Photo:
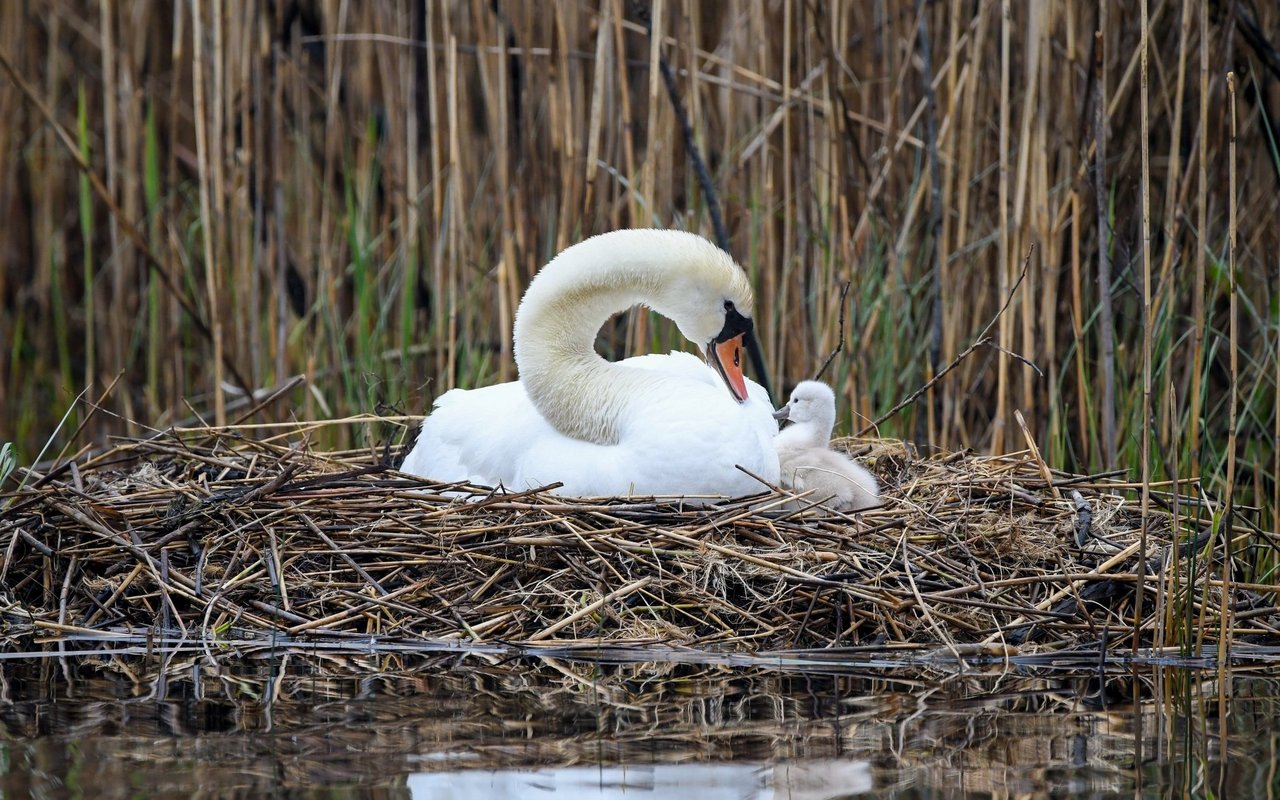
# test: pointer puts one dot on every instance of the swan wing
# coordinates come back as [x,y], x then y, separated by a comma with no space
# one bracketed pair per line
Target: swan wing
[688,439]
[494,436]
[472,434]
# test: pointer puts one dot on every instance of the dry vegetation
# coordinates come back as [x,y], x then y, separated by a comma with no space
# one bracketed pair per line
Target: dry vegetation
[215,538]
[204,200]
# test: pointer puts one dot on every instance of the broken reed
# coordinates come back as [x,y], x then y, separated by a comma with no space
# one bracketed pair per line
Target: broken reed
[216,536]
[362,198]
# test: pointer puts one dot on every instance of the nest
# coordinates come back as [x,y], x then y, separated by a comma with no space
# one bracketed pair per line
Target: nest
[214,536]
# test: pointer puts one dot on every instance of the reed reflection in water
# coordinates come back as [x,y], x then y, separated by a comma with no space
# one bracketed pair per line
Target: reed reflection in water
[468,725]
[749,780]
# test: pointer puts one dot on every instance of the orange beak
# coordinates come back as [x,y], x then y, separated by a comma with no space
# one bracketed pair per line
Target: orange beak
[726,359]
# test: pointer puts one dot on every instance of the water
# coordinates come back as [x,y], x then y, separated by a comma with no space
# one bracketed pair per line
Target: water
[487,726]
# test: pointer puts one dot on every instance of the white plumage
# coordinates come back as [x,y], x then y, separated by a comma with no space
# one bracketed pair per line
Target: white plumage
[806,460]
[649,425]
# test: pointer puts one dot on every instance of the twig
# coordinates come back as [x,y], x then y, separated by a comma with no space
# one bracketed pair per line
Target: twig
[844,292]
[982,339]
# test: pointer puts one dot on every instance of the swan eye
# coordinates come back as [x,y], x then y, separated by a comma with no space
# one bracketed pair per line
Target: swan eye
[734,323]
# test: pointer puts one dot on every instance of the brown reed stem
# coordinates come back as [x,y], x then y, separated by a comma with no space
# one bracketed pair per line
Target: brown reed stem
[1228,513]
[208,229]
[1147,320]
[1201,246]
[1003,267]
[1105,323]
[935,209]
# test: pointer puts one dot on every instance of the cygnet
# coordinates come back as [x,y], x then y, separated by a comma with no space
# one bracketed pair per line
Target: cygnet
[806,460]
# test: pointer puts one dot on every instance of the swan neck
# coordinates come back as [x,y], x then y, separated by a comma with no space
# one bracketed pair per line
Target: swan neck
[580,394]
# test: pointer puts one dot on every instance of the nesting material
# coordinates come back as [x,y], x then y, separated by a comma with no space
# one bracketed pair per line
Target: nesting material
[216,536]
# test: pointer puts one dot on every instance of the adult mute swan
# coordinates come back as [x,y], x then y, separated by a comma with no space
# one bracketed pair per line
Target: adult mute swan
[806,460]
[648,425]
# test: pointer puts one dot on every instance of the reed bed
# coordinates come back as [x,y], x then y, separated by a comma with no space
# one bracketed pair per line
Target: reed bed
[204,200]
[224,538]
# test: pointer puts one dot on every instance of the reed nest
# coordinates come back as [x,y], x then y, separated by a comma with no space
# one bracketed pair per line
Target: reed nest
[216,535]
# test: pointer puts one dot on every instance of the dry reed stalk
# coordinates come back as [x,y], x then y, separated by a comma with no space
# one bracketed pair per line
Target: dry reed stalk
[1107,346]
[1147,321]
[933,259]
[208,228]
[414,194]
[1002,266]
[967,155]
[957,82]
[648,176]
[1170,569]
[508,269]
[1233,343]
[1040,334]
[1026,148]
[567,126]
[453,251]
[1201,241]
[788,260]
[111,156]
[1173,181]
[595,117]
[435,125]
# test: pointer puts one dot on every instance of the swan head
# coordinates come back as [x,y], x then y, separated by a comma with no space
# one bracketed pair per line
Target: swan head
[680,275]
[723,351]
[710,302]
[811,402]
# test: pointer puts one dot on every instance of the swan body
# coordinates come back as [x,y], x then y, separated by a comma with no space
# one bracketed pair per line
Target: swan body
[647,425]
[806,460]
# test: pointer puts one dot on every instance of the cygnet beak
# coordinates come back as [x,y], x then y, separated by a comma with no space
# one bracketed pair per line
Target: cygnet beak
[726,359]
[783,413]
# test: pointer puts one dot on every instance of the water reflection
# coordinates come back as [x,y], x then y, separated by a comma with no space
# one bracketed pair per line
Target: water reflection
[800,780]
[455,726]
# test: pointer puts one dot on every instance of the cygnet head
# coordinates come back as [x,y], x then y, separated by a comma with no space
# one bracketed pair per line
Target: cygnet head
[813,405]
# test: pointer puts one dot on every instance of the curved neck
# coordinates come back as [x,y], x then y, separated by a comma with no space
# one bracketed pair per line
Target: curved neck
[573,388]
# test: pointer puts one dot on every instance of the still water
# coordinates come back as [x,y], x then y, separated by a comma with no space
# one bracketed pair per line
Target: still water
[485,726]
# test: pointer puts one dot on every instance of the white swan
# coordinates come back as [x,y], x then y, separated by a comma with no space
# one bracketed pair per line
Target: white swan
[806,460]
[649,425]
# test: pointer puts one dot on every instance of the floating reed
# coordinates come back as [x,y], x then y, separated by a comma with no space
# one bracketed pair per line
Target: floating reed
[216,536]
